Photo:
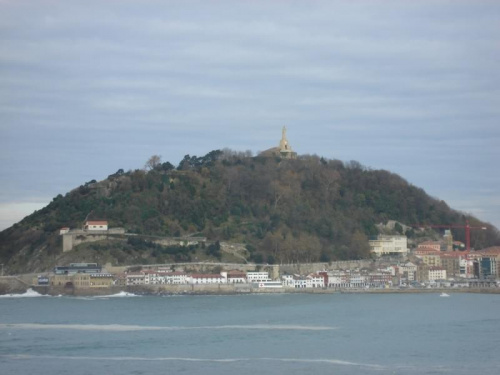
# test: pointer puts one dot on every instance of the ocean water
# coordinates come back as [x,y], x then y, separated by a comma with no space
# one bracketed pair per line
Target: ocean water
[251,334]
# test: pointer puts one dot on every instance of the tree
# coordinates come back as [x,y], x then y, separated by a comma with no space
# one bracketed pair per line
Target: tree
[398,228]
[153,162]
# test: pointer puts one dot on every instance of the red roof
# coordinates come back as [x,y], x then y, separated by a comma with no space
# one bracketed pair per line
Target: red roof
[490,250]
[427,251]
[96,222]
[454,254]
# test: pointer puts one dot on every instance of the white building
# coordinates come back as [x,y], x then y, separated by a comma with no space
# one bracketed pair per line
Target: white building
[299,281]
[409,270]
[176,278]
[64,230]
[466,268]
[199,278]
[235,277]
[437,273]
[287,280]
[389,245]
[357,281]
[338,279]
[100,225]
[257,277]
[315,280]
[135,279]
[153,278]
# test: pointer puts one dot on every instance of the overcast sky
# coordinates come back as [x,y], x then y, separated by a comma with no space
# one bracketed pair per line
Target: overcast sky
[88,87]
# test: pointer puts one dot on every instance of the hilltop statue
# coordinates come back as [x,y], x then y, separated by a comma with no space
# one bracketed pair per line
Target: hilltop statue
[284,150]
[284,142]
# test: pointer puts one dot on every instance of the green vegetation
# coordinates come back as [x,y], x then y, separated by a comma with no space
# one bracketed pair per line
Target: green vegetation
[301,210]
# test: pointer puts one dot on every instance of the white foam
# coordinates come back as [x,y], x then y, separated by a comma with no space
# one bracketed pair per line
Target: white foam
[187,359]
[118,295]
[29,293]
[127,328]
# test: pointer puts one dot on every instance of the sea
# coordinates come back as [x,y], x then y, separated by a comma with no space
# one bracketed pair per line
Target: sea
[250,334]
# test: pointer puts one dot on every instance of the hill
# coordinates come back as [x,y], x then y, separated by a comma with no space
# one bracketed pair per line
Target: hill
[297,210]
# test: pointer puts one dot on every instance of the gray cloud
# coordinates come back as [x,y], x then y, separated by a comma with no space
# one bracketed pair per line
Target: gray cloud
[90,87]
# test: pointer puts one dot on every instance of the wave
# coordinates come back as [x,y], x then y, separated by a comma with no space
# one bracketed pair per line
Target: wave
[184,359]
[128,328]
[29,293]
[118,295]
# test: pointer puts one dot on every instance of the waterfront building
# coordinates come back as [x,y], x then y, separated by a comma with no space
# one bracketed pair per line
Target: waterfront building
[235,277]
[101,280]
[356,280]
[422,272]
[486,267]
[257,277]
[408,271]
[451,262]
[176,278]
[299,281]
[76,280]
[199,278]
[378,279]
[136,279]
[437,273]
[315,280]
[287,280]
[388,245]
[153,278]
[335,279]
[466,268]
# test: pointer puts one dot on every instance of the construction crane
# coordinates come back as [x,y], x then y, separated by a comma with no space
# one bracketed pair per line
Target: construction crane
[467,228]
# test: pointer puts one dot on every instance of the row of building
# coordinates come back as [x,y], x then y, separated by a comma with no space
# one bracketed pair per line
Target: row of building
[398,244]
[426,264]
[166,277]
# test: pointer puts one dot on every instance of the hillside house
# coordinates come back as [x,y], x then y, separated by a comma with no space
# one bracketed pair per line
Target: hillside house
[98,225]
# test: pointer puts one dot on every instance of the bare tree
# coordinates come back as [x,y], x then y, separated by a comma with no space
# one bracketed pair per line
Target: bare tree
[153,162]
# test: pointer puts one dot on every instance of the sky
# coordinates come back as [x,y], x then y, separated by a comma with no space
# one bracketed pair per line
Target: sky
[89,87]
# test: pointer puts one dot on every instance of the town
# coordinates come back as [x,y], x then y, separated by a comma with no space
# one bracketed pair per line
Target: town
[431,264]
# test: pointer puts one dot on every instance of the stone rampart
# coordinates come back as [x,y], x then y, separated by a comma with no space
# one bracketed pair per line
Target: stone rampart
[305,268]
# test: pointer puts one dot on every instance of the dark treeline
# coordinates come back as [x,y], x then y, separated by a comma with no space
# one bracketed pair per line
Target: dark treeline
[301,210]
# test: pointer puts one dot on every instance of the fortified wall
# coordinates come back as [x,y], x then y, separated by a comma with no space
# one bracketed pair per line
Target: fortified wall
[78,236]
[305,268]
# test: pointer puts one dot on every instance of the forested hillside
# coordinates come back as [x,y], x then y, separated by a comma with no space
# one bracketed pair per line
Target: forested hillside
[307,209]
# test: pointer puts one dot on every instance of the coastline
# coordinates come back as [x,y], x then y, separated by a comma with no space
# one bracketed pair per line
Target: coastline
[229,290]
